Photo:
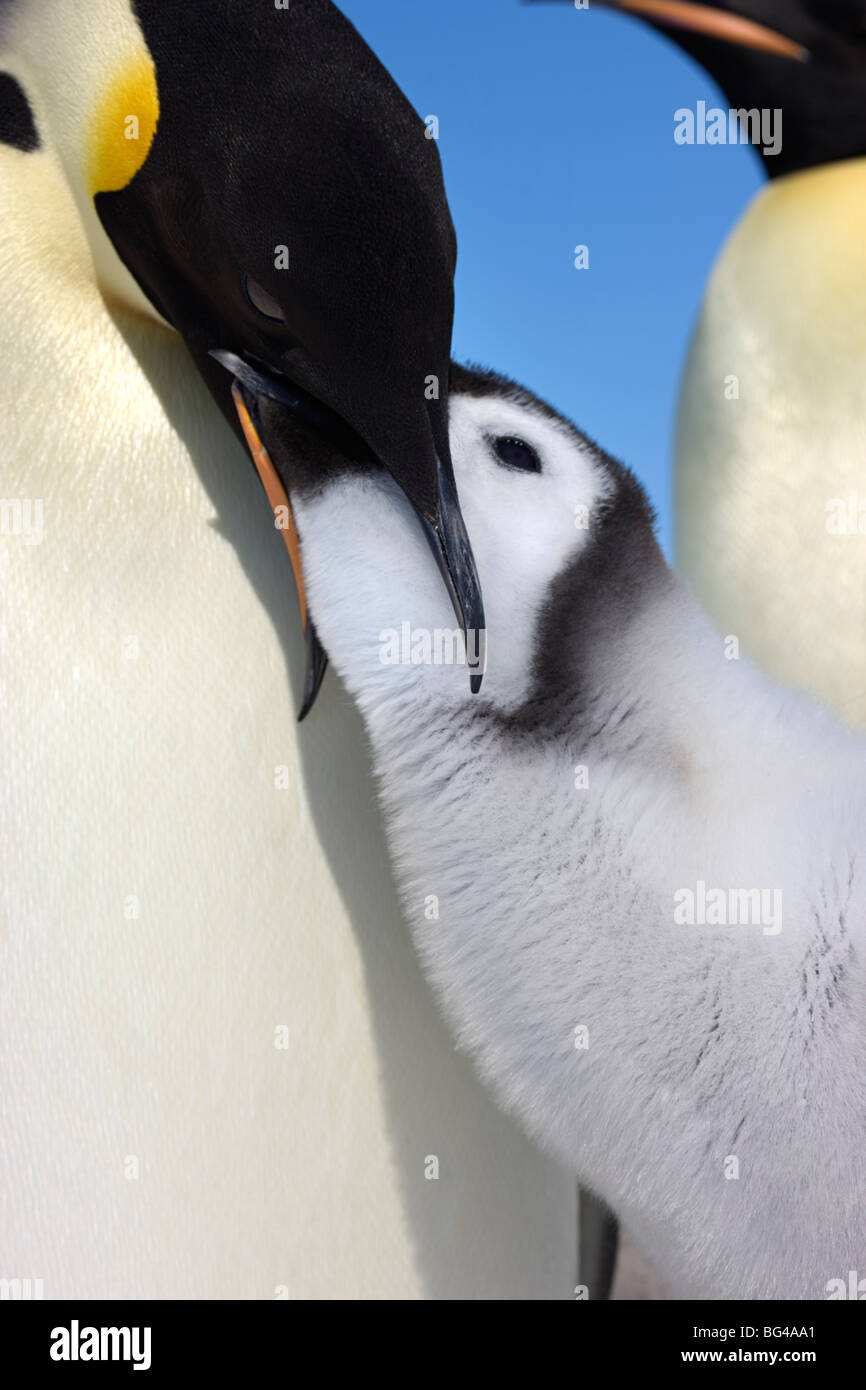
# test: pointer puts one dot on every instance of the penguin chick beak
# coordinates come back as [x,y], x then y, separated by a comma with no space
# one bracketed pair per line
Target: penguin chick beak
[712,23]
[444,529]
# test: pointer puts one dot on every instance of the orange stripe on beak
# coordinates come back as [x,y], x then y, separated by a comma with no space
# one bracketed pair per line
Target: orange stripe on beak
[277,495]
[716,24]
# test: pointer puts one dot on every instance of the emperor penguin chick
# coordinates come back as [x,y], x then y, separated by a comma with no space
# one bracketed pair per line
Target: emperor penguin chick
[633,867]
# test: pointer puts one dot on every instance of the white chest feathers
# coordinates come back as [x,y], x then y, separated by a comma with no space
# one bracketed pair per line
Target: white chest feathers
[770,507]
[206,986]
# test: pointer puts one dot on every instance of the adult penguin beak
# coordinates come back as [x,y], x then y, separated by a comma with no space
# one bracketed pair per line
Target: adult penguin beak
[443,525]
[449,540]
[713,22]
[317,661]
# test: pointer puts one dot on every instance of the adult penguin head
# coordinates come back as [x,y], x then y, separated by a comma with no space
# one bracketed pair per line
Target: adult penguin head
[804,57]
[279,203]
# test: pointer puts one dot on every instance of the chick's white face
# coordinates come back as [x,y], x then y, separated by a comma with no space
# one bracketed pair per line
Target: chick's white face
[528,488]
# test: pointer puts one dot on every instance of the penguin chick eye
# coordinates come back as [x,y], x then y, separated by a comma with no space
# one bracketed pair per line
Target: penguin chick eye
[262,302]
[516,453]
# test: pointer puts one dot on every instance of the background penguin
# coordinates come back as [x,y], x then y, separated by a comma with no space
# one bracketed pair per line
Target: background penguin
[772,415]
[224,1077]
[692,1051]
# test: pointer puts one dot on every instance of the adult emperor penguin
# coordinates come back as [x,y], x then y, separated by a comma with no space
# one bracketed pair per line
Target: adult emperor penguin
[222,1074]
[770,505]
[652,927]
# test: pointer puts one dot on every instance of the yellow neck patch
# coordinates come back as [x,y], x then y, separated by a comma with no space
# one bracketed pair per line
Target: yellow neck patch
[123,126]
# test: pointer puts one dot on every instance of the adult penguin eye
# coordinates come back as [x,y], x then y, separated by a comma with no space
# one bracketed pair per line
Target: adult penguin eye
[262,302]
[516,453]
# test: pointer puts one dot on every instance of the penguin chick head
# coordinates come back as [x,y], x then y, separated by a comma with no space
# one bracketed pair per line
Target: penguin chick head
[562,534]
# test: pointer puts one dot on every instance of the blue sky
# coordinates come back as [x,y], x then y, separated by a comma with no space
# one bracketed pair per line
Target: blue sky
[556,128]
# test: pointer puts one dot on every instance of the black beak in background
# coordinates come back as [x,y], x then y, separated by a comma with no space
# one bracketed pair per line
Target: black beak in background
[445,531]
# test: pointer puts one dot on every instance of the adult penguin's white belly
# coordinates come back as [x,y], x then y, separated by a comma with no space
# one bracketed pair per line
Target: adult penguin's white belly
[222,1073]
[767,478]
